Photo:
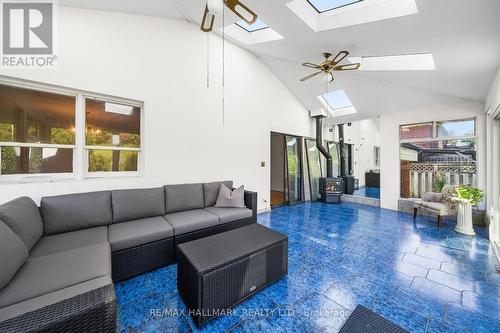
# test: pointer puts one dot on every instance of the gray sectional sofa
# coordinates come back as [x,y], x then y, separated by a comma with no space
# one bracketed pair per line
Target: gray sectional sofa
[59,261]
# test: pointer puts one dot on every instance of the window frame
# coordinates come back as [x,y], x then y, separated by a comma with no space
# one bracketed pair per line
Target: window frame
[105,174]
[334,8]
[434,137]
[80,150]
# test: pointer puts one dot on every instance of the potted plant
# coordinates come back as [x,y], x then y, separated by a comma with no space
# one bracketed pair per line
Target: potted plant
[465,197]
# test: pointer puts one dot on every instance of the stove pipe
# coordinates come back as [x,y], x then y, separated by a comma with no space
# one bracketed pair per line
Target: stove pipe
[341,150]
[323,150]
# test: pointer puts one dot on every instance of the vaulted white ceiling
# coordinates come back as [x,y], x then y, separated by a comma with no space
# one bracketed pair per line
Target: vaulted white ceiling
[463,36]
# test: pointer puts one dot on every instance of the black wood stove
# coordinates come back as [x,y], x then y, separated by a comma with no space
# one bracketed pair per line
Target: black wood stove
[331,189]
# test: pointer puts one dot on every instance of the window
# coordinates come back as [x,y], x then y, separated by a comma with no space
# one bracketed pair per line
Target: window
[314,168]
[322,6]
[112,136]
[51,133]
[258,25]
[37,132]
[337,103]
[436,154]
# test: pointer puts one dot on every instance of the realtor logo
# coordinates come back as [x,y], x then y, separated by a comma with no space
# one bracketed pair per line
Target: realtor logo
[27,34]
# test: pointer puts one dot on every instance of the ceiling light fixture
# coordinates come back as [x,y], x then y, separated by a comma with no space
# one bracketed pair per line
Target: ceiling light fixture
[328,66]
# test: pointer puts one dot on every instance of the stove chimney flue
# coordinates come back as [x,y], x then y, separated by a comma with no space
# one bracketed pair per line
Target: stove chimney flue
[321,148]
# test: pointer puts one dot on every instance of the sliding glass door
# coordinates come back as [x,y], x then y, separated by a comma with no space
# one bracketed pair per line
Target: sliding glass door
[286,169]
[294,170]
[314,166]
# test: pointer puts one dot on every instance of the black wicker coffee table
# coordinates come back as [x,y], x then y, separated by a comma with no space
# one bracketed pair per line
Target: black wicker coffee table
[217,272]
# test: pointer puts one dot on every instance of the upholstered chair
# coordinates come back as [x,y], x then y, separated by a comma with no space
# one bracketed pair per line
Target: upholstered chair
[436,204]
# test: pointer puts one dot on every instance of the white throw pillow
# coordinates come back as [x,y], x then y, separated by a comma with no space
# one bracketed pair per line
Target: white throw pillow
[231,199]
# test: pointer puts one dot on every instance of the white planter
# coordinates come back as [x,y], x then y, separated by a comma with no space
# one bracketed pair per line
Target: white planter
[464,218]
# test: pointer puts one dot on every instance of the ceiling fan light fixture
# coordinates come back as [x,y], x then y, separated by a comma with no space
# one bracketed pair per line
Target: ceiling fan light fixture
[327,77]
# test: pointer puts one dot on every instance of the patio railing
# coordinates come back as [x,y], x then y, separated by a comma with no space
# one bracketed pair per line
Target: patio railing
[424,175]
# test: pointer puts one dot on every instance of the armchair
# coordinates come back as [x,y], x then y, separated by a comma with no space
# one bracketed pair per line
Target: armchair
[437,204]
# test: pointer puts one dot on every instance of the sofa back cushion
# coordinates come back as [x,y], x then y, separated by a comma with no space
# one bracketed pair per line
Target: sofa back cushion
[71,212]
[137,204]
[211,191]
[23,217]
[183,197]
[13,254]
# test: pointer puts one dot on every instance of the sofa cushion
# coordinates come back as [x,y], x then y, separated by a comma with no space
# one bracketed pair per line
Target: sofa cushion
[46,274]
[231,199]
[183,197]
[69,240]
[229,214]
[39,302]
[211,191]
[191,220]
[436,207]
[71,212]
[138,232]
[13,254]
[23,217]
[137,203]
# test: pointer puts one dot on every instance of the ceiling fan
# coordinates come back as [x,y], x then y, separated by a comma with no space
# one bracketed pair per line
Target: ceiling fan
[327,67]
[215,7]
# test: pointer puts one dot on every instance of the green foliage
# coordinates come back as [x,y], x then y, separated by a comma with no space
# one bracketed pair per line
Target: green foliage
[9,160]
[439,183]
[6,132]
[62,136]
[472,194]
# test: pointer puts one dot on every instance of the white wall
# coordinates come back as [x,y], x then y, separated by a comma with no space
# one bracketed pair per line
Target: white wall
[493,98]
[364,135]
[162,62]
[493,161]
[436,108]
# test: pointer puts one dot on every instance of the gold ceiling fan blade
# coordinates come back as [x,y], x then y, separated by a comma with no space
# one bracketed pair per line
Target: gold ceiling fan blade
[348,67]
[232,4]
[310,76]
[311,65]
[339,57]
[207,23]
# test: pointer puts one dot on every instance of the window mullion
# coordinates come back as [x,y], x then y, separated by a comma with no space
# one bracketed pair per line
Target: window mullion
[80,162]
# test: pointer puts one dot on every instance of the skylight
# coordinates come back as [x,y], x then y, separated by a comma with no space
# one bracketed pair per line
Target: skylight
[337,103]
[404,62]
[258,25]
[325,5]
[337,99]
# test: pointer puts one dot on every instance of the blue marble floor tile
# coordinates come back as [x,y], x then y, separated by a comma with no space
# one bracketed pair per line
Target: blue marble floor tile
[341,256]
[488,305]
[400,315]
[475,321]
[433,254]
[436,290]
[421,261]
[451,280]
[441,326]
[465,272]
[409,269]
